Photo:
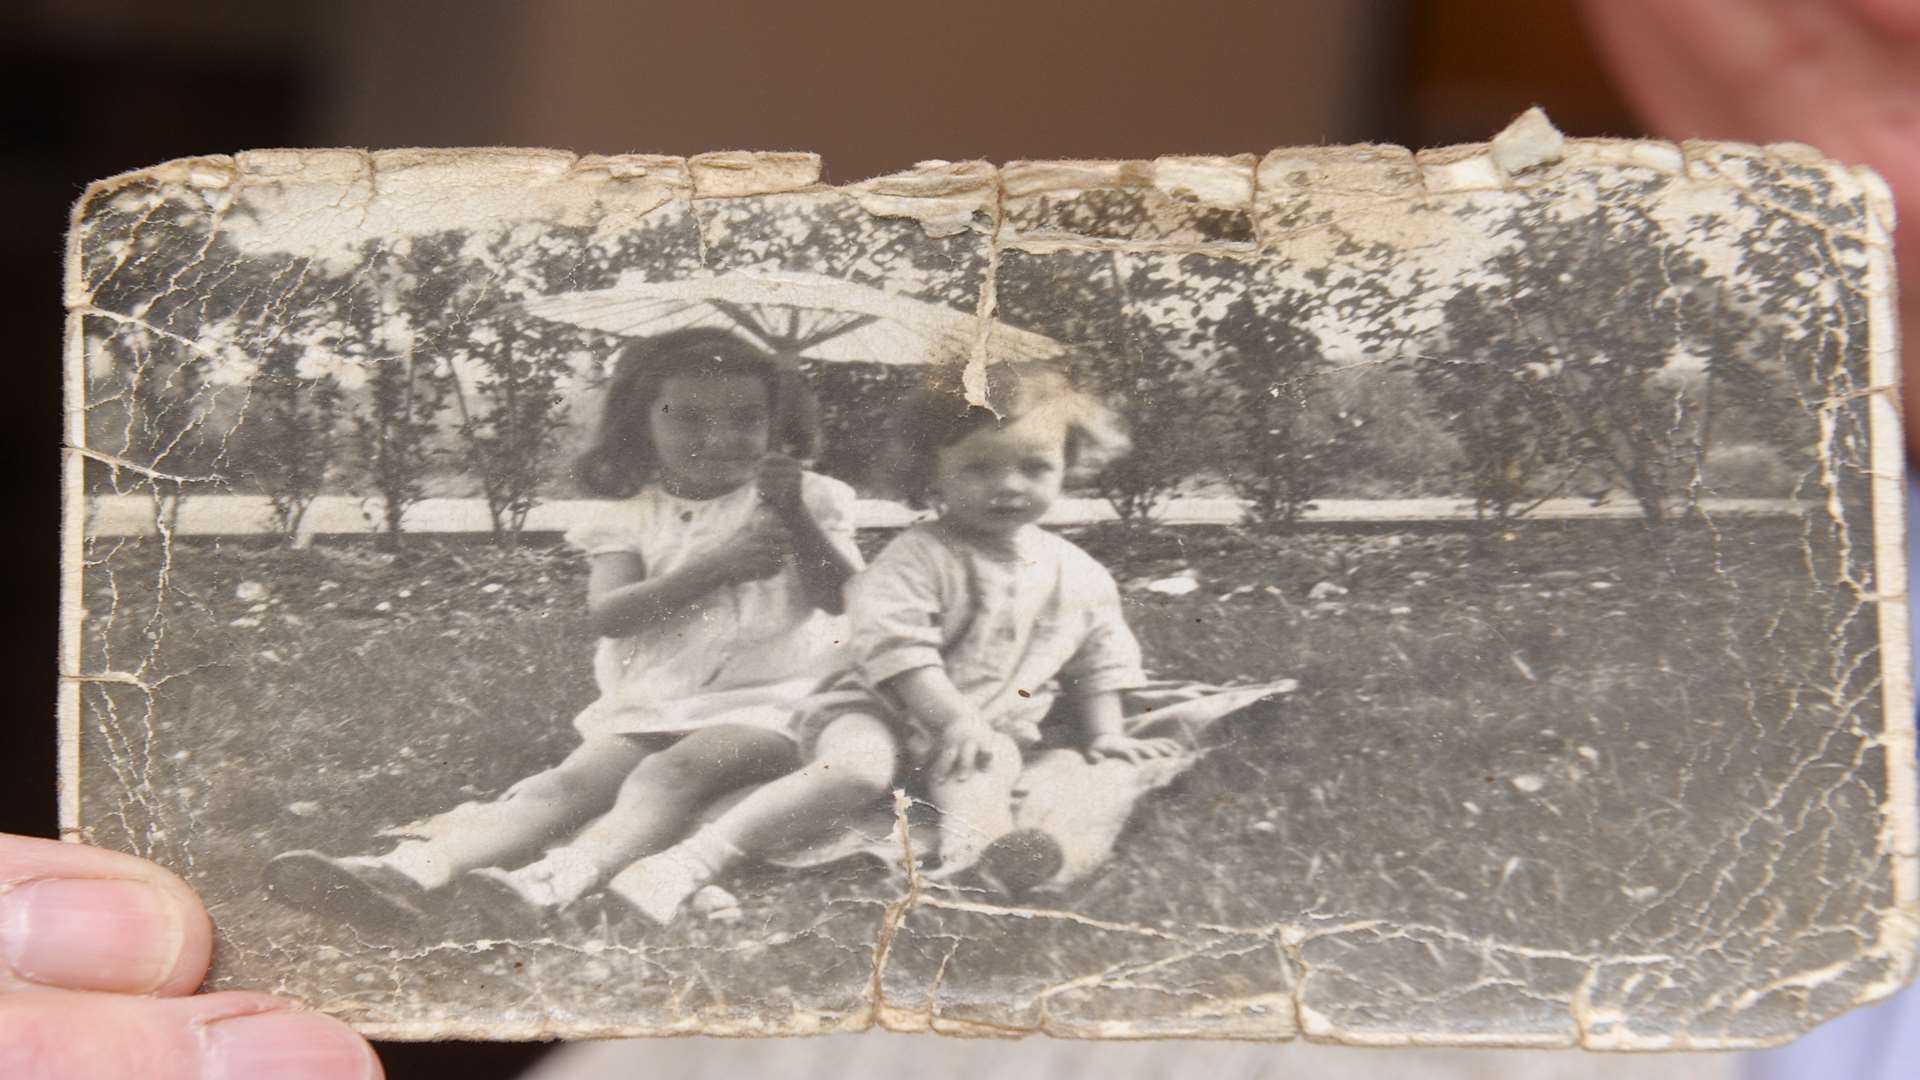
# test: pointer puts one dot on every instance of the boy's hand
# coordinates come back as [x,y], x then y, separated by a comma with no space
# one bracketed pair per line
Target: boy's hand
[779,483]
[1128,748]
[966,747]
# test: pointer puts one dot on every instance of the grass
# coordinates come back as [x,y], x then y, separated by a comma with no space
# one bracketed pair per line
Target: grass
[1554,741]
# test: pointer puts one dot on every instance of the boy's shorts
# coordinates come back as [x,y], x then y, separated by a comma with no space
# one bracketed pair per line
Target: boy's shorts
[917,743]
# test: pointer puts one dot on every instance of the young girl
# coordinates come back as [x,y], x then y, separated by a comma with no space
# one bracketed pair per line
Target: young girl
[716,573]
[964,631]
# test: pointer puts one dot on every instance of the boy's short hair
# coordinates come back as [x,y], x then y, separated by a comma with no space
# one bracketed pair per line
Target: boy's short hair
[940,414]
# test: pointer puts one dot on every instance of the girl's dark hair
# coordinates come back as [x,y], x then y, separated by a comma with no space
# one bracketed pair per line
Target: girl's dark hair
[940,415]
[620,459]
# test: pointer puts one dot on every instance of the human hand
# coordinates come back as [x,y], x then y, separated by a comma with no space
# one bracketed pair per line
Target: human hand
[101,952]
[759,550]
[778,479]
[1128,748]
[1842,75]
[966,747]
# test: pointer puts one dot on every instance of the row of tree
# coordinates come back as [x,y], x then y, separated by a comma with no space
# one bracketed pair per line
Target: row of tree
[289,375]
[376,364]
[1596,351]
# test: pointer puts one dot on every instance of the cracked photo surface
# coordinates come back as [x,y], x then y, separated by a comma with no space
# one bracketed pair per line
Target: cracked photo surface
[1452,598]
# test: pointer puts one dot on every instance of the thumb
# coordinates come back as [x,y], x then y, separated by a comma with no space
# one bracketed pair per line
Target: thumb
[83,930]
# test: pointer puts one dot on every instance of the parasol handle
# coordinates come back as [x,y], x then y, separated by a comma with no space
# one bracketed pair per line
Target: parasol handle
[788,381]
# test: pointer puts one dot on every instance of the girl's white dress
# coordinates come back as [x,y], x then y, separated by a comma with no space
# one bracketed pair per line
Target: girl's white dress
[745,654]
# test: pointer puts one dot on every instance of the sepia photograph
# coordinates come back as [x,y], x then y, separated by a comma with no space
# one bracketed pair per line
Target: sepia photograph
[1340,594]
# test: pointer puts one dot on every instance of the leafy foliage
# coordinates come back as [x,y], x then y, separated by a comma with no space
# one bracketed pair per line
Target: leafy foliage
[1122,213]
[836,237]
[293,443]
[505,378]
[1802,326]
[377,330]
[1287,440]
[1097,303]
[853,398]
[1271,365]
[1561,360]
[510,422]
[155,396]
[158,268]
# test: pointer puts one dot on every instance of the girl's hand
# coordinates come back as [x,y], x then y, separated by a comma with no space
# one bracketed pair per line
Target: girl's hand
[624,599]
[779,483]
[1128,748]
[966,747]
[760,550]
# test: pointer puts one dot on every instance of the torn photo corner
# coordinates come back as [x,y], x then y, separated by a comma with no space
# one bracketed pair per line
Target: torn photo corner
[1343,594]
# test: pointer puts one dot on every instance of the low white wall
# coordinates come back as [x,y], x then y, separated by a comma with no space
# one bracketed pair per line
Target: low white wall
[340,515]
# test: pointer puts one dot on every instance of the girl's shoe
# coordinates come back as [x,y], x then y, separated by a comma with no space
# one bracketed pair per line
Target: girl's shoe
[659,885]
[512,904]
[358,889]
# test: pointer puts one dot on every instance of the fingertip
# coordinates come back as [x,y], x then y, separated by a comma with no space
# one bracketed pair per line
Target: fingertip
[287,1043]
[196,948]
[195,942]
[224,1036]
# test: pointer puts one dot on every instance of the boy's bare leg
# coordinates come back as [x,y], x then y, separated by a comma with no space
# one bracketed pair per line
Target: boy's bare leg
[657,803]
[853,763]
[1083,805]
[975,810]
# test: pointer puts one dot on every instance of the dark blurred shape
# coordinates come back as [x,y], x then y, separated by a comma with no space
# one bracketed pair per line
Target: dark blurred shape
[1476,64]
[871,86]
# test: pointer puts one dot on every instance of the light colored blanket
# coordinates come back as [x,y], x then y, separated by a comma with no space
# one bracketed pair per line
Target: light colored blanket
[1083,805]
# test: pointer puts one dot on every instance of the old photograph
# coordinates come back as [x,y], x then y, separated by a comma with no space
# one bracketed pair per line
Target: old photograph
[1342,594]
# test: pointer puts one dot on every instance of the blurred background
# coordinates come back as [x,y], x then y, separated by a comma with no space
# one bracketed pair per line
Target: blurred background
[96,87]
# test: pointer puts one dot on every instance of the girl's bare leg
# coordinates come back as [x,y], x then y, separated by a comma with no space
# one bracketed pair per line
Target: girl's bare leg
[528,817]
[391,889]
[854,762]
[656,804]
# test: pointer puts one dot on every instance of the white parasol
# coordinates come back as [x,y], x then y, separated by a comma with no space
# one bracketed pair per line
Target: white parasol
[800,316]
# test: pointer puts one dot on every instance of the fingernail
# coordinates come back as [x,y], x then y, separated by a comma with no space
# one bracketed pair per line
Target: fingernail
[94,934]
[286,1046]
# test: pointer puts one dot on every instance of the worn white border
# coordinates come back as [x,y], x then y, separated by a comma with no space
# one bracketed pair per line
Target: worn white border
[1900,835]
